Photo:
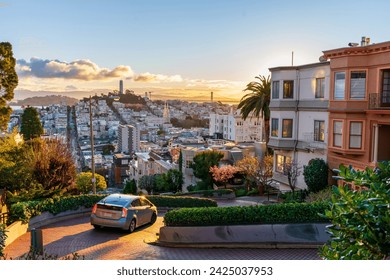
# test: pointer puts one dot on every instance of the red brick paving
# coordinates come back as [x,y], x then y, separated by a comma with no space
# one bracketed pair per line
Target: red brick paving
[77,235]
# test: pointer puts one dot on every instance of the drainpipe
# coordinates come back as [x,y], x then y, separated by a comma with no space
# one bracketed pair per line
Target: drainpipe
[297,111]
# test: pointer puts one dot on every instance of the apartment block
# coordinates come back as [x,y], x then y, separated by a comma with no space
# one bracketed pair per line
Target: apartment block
[234,128]
[298,117]
[359,107]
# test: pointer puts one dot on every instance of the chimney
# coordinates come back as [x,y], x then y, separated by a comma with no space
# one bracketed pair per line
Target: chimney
[365,41]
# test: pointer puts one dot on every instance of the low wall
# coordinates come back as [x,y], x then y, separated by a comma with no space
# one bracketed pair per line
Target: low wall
[269,235]
[17,229]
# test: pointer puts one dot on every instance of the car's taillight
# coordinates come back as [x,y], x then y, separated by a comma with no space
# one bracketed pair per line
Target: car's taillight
[124,212]
[94,209]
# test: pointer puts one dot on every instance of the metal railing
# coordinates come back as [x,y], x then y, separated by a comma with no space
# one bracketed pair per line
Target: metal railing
[379,100]
[3,218]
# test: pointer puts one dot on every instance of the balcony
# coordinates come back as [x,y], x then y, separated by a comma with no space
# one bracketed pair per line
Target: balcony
[379,101]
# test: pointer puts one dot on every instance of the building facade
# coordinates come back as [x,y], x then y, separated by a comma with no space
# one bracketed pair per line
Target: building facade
[128,139]
[234,128]
[359,109]
[298,118]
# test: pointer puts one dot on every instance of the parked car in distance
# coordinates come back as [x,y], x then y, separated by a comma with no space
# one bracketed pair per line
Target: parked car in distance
[123,211]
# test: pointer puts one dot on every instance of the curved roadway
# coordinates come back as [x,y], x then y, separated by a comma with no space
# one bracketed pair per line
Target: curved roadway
[78,236]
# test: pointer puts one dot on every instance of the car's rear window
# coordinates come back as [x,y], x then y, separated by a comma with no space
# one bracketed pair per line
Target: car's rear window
[109,207]
[115,201]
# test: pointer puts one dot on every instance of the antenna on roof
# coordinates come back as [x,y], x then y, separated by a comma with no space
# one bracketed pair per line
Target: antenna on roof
[292,58]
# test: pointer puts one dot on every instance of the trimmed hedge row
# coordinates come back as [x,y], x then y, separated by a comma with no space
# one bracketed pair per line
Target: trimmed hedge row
[248,215]
[24,211]
[180,201]
[209,193]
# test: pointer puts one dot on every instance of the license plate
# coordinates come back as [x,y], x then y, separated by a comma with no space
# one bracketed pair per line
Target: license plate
[107,215]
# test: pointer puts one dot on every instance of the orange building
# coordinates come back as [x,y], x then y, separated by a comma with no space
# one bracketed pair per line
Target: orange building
[359,104]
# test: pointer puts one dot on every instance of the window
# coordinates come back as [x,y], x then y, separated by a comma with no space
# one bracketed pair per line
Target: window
[358,85]
[319,131]
[275,90]
[288,89]
[339,85]
[287,126]
[385,100]
[355,135]
[337,133]
[281,162]
[188,163]
[275,127]
[320,87]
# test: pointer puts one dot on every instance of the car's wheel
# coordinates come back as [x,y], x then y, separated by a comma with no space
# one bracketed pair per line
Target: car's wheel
[97,227]
[132,225]
[153,219]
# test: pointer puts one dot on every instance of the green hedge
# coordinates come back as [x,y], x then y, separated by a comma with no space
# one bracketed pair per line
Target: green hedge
[24,211]
[181,201]
[209,193]
[248,215]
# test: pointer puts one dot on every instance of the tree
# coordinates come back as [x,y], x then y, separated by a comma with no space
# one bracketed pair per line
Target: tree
[316,175]
[31,126]
[36,169]
[148,183]
[223,174]
[53,166]
[130,187]
[248,166]
[264,173]
[201,166]
[8,82]
[84,182]
[257,171]
[292,170]
[360,217]
[15,168]
[257,101]
[171,181]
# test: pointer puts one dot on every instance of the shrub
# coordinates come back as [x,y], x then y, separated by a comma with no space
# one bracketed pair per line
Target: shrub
[316,174]
[321,196]
[130,187]
[3,237]
[182,201]
[247,215]
[293,197]
[24,211]
[209,193]
[240,192]
[361,219]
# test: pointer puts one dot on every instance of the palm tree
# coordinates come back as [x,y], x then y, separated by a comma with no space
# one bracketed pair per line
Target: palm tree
[256,102]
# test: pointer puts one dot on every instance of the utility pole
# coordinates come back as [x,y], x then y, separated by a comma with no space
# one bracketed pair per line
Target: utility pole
[92,148]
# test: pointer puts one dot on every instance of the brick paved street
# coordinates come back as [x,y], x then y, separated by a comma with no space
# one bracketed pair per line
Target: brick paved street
[77,235]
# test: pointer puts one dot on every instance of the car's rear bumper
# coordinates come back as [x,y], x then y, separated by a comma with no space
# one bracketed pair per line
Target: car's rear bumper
[122,223]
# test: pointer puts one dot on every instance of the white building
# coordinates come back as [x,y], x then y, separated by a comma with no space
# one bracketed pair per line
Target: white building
[128,138]
[233,127]
[299,117]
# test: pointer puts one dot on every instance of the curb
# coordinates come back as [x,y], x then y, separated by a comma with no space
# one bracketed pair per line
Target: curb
[237,245]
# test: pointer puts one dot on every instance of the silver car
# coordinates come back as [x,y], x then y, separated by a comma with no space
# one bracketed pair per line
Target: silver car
[123,211]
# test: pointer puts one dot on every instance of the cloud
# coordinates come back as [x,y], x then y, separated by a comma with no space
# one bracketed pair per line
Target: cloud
[156,78]
[70,88]
[82,69]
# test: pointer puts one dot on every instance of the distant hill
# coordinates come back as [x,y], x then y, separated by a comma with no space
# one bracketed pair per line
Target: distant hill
[45,101]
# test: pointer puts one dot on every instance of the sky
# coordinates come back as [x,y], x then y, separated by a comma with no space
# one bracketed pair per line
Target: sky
[179,49]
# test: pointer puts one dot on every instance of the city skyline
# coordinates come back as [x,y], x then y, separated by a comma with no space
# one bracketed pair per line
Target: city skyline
[174,49]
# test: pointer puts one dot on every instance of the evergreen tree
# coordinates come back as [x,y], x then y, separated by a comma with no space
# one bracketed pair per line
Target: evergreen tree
[201,165]
[31,125]
[8,82]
